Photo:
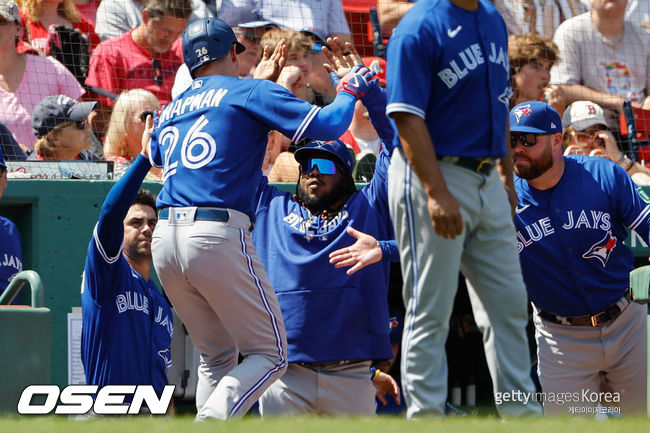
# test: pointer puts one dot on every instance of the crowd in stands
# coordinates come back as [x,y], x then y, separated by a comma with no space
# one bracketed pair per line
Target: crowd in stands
[61,99]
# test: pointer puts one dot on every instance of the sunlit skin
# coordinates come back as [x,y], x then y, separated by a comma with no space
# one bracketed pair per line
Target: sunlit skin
[317,185]
[134,126]
[532,162]
[161,33]
[70,140]
[590,138]
[531,79]
[249,38]
[138,228]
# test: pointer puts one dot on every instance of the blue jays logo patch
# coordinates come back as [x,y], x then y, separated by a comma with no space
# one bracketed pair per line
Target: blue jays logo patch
[522,111]
[167,356]
[602,249]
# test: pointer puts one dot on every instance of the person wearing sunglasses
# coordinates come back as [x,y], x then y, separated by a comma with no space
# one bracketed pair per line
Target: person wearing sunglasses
[122,142]
[571,220]
[63,131]
[335,319]
[586,133]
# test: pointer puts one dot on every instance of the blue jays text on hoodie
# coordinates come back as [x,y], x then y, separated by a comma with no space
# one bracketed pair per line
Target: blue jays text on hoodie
[329,315]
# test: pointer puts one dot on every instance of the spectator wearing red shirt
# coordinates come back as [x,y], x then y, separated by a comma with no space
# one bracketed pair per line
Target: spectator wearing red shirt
[38,15]
[146,57]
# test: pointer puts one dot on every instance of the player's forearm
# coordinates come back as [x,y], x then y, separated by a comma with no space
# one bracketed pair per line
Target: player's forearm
[577,92]
[375,103]
[332,120]
[117,203]
[420,153]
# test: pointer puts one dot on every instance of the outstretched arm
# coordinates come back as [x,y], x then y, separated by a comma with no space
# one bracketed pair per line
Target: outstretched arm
[365,251]
[110,230]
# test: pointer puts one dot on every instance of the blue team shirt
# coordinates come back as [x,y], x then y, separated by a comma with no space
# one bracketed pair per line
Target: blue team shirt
[328,315]
[570,237]
[211,140]
[450,67]
[120,312]
[11,258]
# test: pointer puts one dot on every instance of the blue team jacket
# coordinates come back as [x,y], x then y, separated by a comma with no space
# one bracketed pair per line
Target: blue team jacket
[328,315]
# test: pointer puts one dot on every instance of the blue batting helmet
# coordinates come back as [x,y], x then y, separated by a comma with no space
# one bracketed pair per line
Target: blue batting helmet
[207,39]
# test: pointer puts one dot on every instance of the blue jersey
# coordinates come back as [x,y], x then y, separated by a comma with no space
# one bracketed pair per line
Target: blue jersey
[127,323]
[570,237]
[450,67]
[328,315]
[11,258]
[211,140]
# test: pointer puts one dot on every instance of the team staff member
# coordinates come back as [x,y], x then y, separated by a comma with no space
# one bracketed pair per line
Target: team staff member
[335,321]
[127,323]
[571,220]
[447,63]
[210,143]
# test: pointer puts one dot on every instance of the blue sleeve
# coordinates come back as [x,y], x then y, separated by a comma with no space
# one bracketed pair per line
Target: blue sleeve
[332,120]
[389,250]
[409,71]
[375,103]
[10,148]
[632,203]
[279,109]
[110,229]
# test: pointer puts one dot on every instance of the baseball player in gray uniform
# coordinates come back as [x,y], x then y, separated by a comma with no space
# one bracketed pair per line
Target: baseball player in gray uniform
[210,142]
[448,91]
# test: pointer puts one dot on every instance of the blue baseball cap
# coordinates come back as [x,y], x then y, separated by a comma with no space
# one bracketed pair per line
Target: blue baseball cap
[207,39]
[56,109]
[327,149]
[2,159]
[535,117]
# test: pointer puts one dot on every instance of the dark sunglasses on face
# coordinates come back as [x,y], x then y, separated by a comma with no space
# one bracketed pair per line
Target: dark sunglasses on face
[80,124]
[325,166]
[526,140]
[144,114]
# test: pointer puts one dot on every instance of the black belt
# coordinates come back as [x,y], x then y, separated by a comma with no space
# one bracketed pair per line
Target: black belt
[202,214]
[317,365]
[596,320]
[478,165]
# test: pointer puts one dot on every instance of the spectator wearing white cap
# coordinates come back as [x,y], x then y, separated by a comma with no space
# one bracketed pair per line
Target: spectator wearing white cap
[63,131]
[586,133]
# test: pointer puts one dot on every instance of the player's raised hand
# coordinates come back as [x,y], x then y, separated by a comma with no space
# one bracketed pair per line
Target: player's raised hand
[146,135]
[358,81]
[291,78]
[365,251]
[385,384]
[271,64]
[445,215]
[342,57]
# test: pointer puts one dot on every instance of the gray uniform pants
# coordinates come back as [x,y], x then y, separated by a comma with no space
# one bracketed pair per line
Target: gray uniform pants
[218,286]
[571,359]
[486,253]
[332,390]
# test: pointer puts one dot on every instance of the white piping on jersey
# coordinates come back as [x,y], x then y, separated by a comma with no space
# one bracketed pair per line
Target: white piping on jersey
[305,123]
[640,218]
[400,107]
[276,331]
[100,248]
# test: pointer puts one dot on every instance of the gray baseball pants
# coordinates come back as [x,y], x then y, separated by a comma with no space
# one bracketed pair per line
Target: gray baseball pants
[571,359]
[218,286]
[333,390]
[486,254]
